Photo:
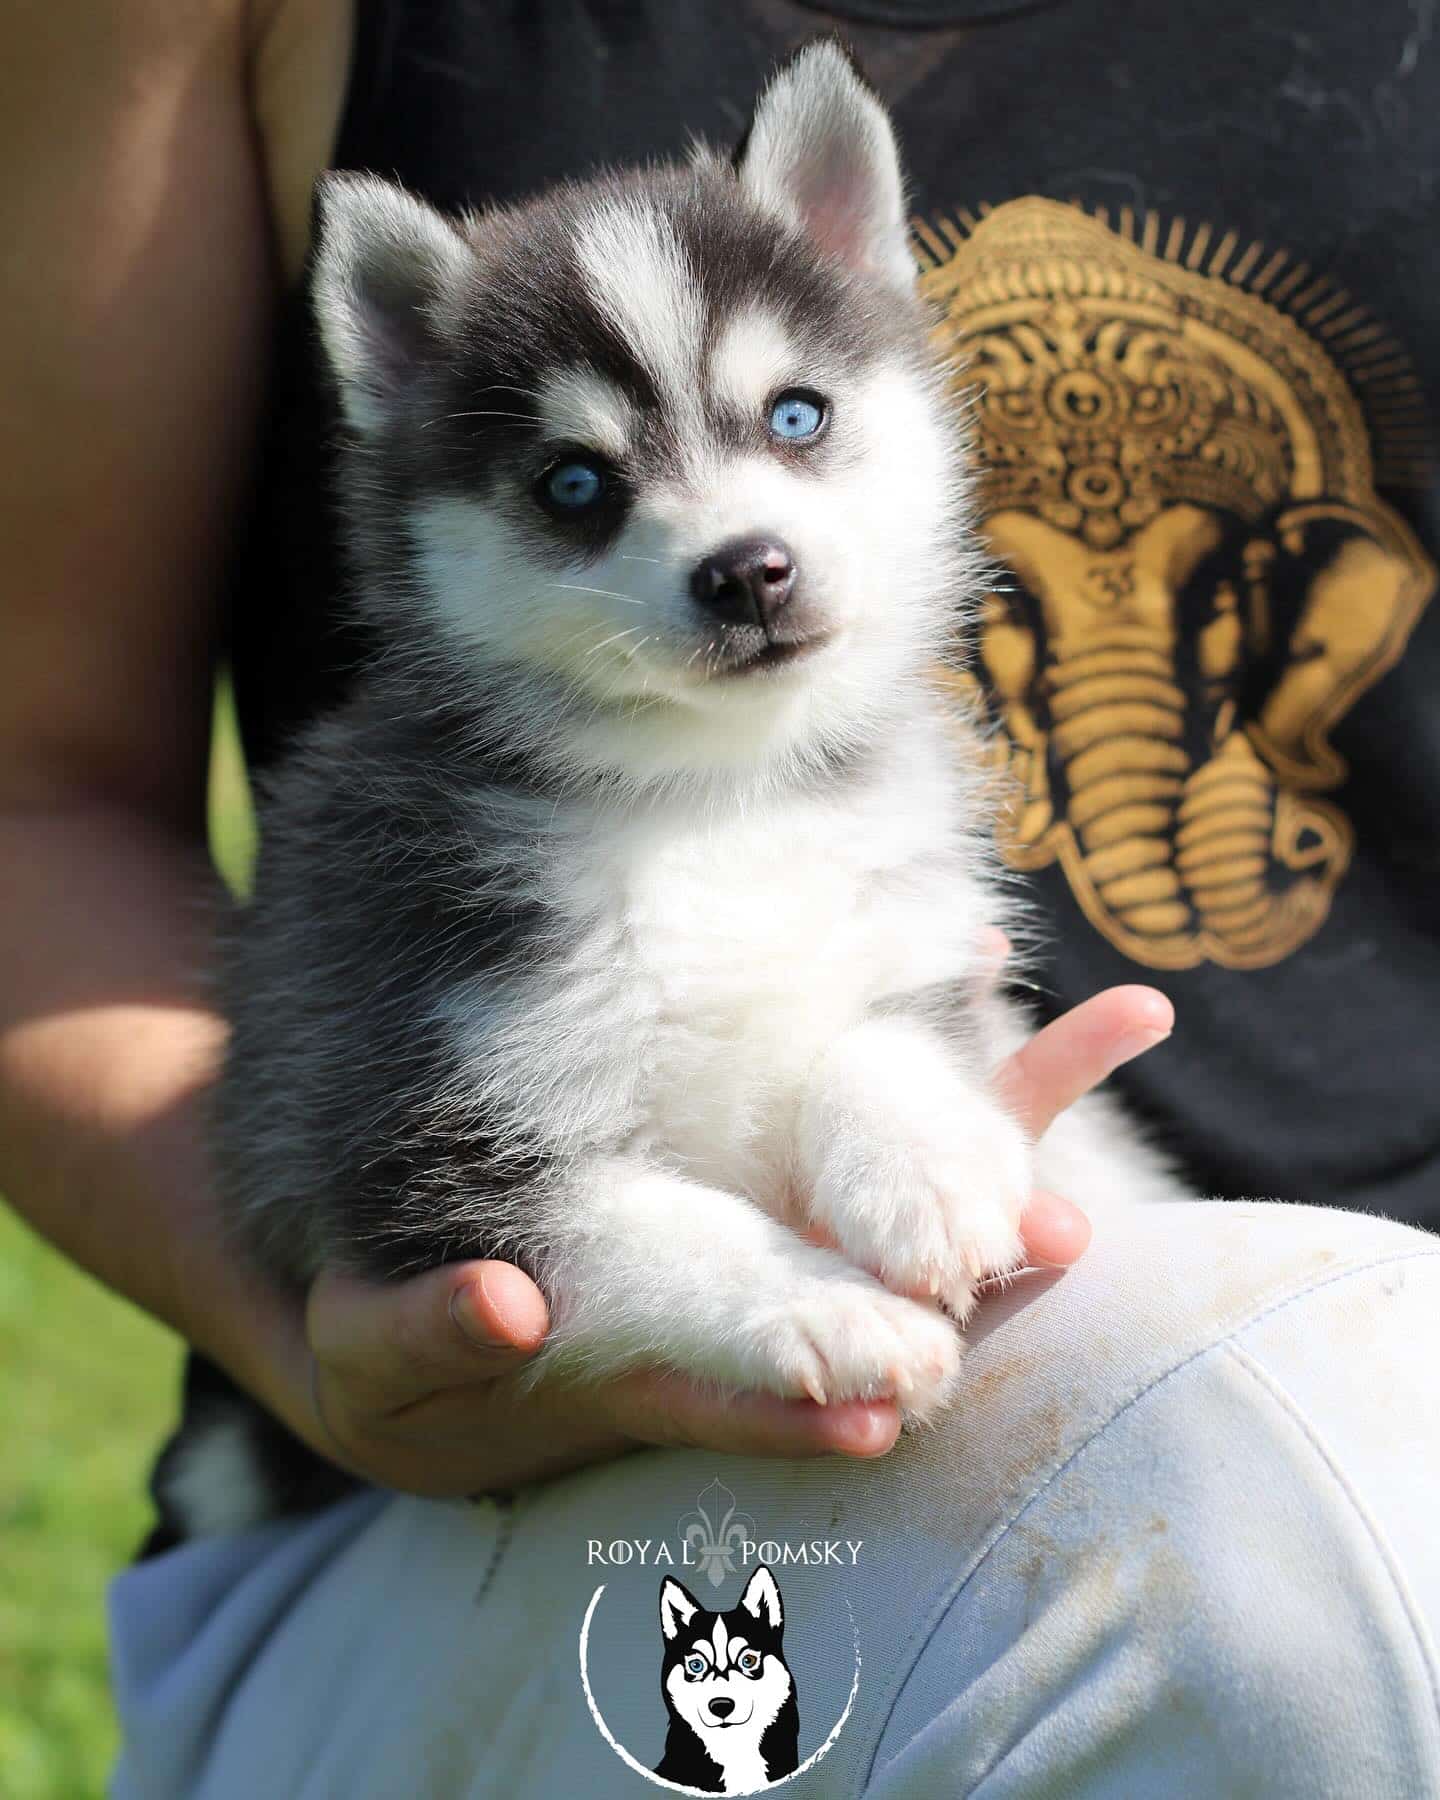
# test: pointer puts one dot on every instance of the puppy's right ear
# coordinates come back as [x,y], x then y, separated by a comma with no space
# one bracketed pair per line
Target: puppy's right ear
[821,152]
[678,1606]
[385,262]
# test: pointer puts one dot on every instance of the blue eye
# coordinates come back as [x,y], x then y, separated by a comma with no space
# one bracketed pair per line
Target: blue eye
[573,486]
[797,415]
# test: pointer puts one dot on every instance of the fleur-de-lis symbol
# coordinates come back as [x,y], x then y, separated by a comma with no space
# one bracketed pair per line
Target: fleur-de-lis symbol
[717,1531]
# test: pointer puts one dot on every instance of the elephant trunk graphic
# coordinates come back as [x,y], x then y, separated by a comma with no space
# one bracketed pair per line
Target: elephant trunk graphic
[1164,847]
[1127,736]
[1117,728]
[1226,845]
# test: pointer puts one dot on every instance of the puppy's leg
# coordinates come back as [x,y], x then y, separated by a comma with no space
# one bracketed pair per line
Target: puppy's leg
[911,1164]
[645,1267]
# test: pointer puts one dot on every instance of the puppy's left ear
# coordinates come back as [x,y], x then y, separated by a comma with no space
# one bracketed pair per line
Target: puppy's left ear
[820,151]
[761,1599]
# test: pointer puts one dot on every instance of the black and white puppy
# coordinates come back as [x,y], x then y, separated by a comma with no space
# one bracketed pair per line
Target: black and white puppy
[734,1717]
[628,920]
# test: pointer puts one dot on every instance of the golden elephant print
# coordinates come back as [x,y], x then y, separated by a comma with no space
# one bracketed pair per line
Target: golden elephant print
[1198,578]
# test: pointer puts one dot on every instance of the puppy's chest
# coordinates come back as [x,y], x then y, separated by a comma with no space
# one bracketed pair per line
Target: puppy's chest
[738,956]
[730,934]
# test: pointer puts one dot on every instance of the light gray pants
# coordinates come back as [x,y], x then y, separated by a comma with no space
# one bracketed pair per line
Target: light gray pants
[1180,1536]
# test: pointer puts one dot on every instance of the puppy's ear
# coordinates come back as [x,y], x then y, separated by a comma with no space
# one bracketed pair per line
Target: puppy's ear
[761,1599]
[820,151]
[678,1606]
[385,262]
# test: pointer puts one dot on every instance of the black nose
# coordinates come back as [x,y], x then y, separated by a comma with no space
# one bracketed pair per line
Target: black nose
[745,583]
[721,1707]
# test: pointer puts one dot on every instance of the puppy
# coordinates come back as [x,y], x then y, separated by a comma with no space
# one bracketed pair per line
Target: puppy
[627,921]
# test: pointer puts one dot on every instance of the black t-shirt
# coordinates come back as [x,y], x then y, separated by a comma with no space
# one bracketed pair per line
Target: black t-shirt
[1191,253]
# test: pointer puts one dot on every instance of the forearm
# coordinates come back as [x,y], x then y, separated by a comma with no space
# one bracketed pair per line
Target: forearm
[108,1042]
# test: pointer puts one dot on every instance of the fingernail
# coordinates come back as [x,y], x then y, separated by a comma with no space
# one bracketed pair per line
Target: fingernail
[467,1316]
[1136,1043]
[864,1428]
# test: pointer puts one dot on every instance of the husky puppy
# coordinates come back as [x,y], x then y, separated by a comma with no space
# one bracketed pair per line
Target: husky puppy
[628,920]
[734,1721]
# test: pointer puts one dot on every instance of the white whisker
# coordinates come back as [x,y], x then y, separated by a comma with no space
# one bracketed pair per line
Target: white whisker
[605,643]
[527,418]
[574,587]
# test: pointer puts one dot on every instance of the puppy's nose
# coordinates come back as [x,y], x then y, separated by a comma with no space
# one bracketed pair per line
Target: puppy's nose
[721,1707]
[746,582]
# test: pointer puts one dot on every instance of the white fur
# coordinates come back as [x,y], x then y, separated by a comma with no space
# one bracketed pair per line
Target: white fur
[213,1481]
[719,958]
[916,1172]
[580,407]
[754,356]
[622,628]
[638,273]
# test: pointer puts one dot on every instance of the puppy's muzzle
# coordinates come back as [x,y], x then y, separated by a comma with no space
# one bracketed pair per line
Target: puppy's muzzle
[747,582]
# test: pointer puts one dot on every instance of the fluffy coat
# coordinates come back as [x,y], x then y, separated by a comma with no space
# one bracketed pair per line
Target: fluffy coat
[628,920]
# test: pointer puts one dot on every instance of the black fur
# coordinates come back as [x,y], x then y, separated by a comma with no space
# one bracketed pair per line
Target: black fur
[380,1173]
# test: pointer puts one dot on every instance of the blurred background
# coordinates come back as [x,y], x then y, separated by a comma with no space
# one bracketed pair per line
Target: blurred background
[88,1388]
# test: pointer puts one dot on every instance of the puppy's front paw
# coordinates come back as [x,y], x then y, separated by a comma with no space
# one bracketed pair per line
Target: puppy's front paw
[652,1270]
[930,1200]
[845,1338]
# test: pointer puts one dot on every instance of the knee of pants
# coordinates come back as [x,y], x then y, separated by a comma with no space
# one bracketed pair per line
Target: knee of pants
[1226,1578]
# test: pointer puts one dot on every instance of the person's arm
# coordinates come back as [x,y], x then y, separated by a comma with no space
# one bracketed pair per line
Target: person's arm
[134,313]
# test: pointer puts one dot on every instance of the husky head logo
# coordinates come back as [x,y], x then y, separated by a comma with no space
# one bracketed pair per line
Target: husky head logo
[734,1722]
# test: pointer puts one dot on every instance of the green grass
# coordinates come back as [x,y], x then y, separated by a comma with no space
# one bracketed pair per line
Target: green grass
[88,1388]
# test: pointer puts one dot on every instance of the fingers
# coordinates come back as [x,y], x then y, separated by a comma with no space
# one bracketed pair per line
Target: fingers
[666,1409]
[1054,1230]
[501,1433]
[418,1386]
[1078,1050]
[461,1323]
[497,1305]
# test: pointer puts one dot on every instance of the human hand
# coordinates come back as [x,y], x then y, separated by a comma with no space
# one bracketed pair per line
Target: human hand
[418,1386]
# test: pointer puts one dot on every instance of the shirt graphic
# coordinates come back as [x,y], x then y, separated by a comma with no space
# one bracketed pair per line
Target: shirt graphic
[1200,577]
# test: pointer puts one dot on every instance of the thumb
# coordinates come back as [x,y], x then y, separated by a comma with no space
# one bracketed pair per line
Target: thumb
[460,1323]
